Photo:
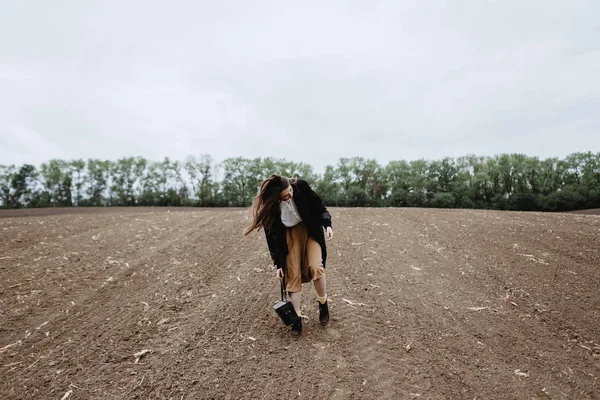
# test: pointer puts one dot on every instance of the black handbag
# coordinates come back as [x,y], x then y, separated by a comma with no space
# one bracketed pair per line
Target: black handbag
[285,308]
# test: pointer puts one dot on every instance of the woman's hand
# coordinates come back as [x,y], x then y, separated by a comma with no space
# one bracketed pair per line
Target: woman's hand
[329,233]
[279,273]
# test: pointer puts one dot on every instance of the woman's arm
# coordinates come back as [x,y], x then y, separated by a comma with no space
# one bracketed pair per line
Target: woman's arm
[272,243]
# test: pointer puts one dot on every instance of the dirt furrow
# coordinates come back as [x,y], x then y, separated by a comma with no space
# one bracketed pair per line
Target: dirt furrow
[425,304]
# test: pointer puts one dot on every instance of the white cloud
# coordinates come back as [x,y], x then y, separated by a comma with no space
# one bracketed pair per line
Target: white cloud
[19,145]
[305,81]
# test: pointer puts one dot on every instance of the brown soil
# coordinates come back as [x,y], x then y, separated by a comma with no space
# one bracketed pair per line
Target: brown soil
[592,211]
[426,304]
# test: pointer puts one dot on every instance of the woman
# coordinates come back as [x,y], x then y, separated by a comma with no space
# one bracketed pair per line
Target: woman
[293,218]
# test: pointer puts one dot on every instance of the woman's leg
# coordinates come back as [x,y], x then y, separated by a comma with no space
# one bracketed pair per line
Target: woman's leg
[321,286]
[293,264]
[315,264]
[296,299]
[293,277]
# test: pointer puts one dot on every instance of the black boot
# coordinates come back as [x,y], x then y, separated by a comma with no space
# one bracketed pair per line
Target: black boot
[323,313]
[296,329]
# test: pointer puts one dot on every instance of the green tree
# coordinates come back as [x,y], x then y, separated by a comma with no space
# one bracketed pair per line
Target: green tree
[23,185]
[127,173]
[56,179]
[6,176]
[239,183]
[419,182]
[505,181]
[17,186]
[200,171]
[344,173]
[442,175]
[328,187]
[506,173]
[369,176]
[443,200]
[519,165]
[79,179]
[98,175]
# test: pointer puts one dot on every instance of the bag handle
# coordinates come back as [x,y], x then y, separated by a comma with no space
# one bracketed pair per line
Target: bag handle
[282,280]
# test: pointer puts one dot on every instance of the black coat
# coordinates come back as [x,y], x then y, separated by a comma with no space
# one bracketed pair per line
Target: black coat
[314,216]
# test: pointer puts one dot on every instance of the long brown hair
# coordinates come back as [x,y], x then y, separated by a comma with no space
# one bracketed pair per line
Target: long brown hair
[265,208]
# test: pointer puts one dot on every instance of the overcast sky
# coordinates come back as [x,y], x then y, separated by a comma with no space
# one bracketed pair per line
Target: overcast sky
[306,81]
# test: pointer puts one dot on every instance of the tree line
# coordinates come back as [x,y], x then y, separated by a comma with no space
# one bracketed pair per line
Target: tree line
[503,182]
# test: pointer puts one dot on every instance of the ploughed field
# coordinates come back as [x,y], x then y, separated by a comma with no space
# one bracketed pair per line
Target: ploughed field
[128,303]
